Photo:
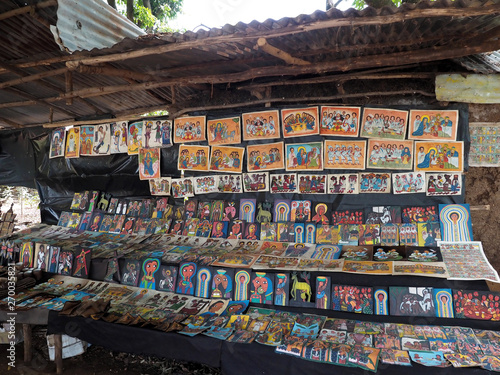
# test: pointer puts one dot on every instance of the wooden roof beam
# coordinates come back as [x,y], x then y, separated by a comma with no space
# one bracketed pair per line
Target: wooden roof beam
[280,54]
[27,9]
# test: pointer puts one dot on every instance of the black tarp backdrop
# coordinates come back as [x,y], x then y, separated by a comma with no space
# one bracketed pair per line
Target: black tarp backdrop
[58,179]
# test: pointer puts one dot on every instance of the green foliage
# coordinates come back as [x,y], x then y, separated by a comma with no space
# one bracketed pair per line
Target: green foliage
[360,4]
[154,19]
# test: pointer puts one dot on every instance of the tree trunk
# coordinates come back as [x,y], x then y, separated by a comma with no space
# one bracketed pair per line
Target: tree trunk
[112,3]
[147,4]
[130,10]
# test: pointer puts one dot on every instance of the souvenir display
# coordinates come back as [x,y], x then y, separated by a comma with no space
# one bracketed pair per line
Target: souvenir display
[345,154]
[433,124]
[72,143]
[226,159]
[439,156]
[149,163]
[224,131]
[261,125]
[134,137]
[299,122]
[265,156]
[193,158]
[384,123]
[189,129]
[304,156]
[340,121]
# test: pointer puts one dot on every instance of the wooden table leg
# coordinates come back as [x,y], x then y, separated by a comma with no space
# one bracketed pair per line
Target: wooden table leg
[58,353]
[28,355]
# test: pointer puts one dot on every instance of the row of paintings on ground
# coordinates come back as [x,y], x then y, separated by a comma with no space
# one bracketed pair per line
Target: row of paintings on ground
[432,184]
[122,137]
[485,145]
[344,342]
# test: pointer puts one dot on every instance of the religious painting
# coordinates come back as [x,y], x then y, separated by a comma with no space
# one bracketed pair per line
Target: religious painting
[300,211]
[226,159]
[205,185]
[381,301]
[102,140]
[281,210]
[130,272]
[193,158]
[358,253]
[408,234]
[345,154]
[411,301]
[395,357]
[392,154]
[219,229]
[189,129]
[384,123]
[119,136]
[427,124]
[160,186]
[73,143]
[252,231]
[439,156]
[151,134]
[254,182]
[267,156]
[203,280]
[186,278]
[443,302]
[284,183]
[419,214]
[86,139]
[241,285]
[167,277]
[348,234]
[320,214]
[348,217]
[230,211]
[408,182]
[428,233]
[65,266]
[388,253]
[149,163]
[224,131]
[343,183]
[26,254]
[439,184]
[383,214]
[134,137]
[374,182]
[456,224]
[261,288]
[389,234]
[476,304]
[57,142]
[304,156]
[182,187]
[260,125]
[340,121]
[323,292]
[149,269]
[364,357]
[326,252]
[222,284]
[236,229]
[356,299]
[423,254]
[229,183]
[312,183]
[247,209]
[41,258]
[299,122]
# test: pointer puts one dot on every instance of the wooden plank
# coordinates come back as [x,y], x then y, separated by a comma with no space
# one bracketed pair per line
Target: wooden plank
[58,353]
[494,287]
[485,207]
[469,88]
[27,333]
[27,9]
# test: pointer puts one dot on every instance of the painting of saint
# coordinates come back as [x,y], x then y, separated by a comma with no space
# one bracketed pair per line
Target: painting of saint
[389,154]
[73,143]
[384,123]
[226,159]
[298,122]
[57,143]
[439,156]
[268,156]
[224,131]
[193,158]
[189,129]
[304,156]
[119,133]
[340,121]
[433,125]
[261,125]
[149,163]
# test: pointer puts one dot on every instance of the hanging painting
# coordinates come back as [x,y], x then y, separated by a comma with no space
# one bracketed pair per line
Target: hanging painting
[304,156]
[57,142]
[374,182]
[119,133]
[406,183]
[73,143]
[189,129]
[456,224]
[260,125]
[182,187]
[267,156]
[340,121]
[389,154]
[343,183]
[439,156]
[151,134]
[427,124]
[438,184]
[300,211]
[229,183]
[134,137]
[299,122]
[284,183]
[102,140]
[254,182]
[149,163]
[345,154]
[226,159]
[86,140]
[312,183]
[384,123]
[160,186]
[193,158]
[224,131]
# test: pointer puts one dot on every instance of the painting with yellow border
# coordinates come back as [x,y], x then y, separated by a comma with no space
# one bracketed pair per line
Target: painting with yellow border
[439,156]
[266,156]
[193,158]
[376,268]
[261,125]
[226,159]
[298,122]
[149,163]
[224,131]
[73,143]
[433,125]
[384,123]
[340,121]
[189,129]
[345,154]
[389,154]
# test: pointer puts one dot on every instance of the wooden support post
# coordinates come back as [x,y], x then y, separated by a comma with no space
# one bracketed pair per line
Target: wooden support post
[28,355]
[58,353]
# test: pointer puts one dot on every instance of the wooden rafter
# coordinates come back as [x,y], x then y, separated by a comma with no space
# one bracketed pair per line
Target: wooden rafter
[280,54]
[27,9]
[33,77]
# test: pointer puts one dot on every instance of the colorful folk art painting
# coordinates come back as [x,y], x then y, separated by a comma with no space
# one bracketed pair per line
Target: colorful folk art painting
[456,224]
[411,301]
[268,231]
[86,139]
[282,286]
[41,258]
[300,211]
[224,131]
[160,186]
[182,187]
[443,302]
[205,185]
[299,122]
[229,184]
[439,156]
[149,163]
[438,184]
[368,234]
[374,182]
[281,210]
[347,217]
[26,254]
[222,284]
[389,154]
[419,214]
[193,158]
[312,183]
[323,292]
[408,234]
[119,136]
[326,252]
[241,285]
[186,278]
[65,266]
[355,299]
[481,305]
[226,159]
[345,154]
[167,277]
[189,129]
[395,357]
[340,121]
[261,288]
[248,207]
[283,183]
[364,357]
[388,253]
[219,229]
[407,183]
[130,272]
[389,234]
[304,156]
[428,233]
[320,213]
[260,125]
[73,143]
[203,281]
[150,267]
[432,125]
[134,137]
[384,123]
[254,182]
[102,140]
[252,231]
[381,301]
[265,156]
[236,230]
[343,183]
[57,142]
[383,214]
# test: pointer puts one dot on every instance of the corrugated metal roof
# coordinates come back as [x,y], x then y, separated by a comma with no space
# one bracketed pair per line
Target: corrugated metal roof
[485,63]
